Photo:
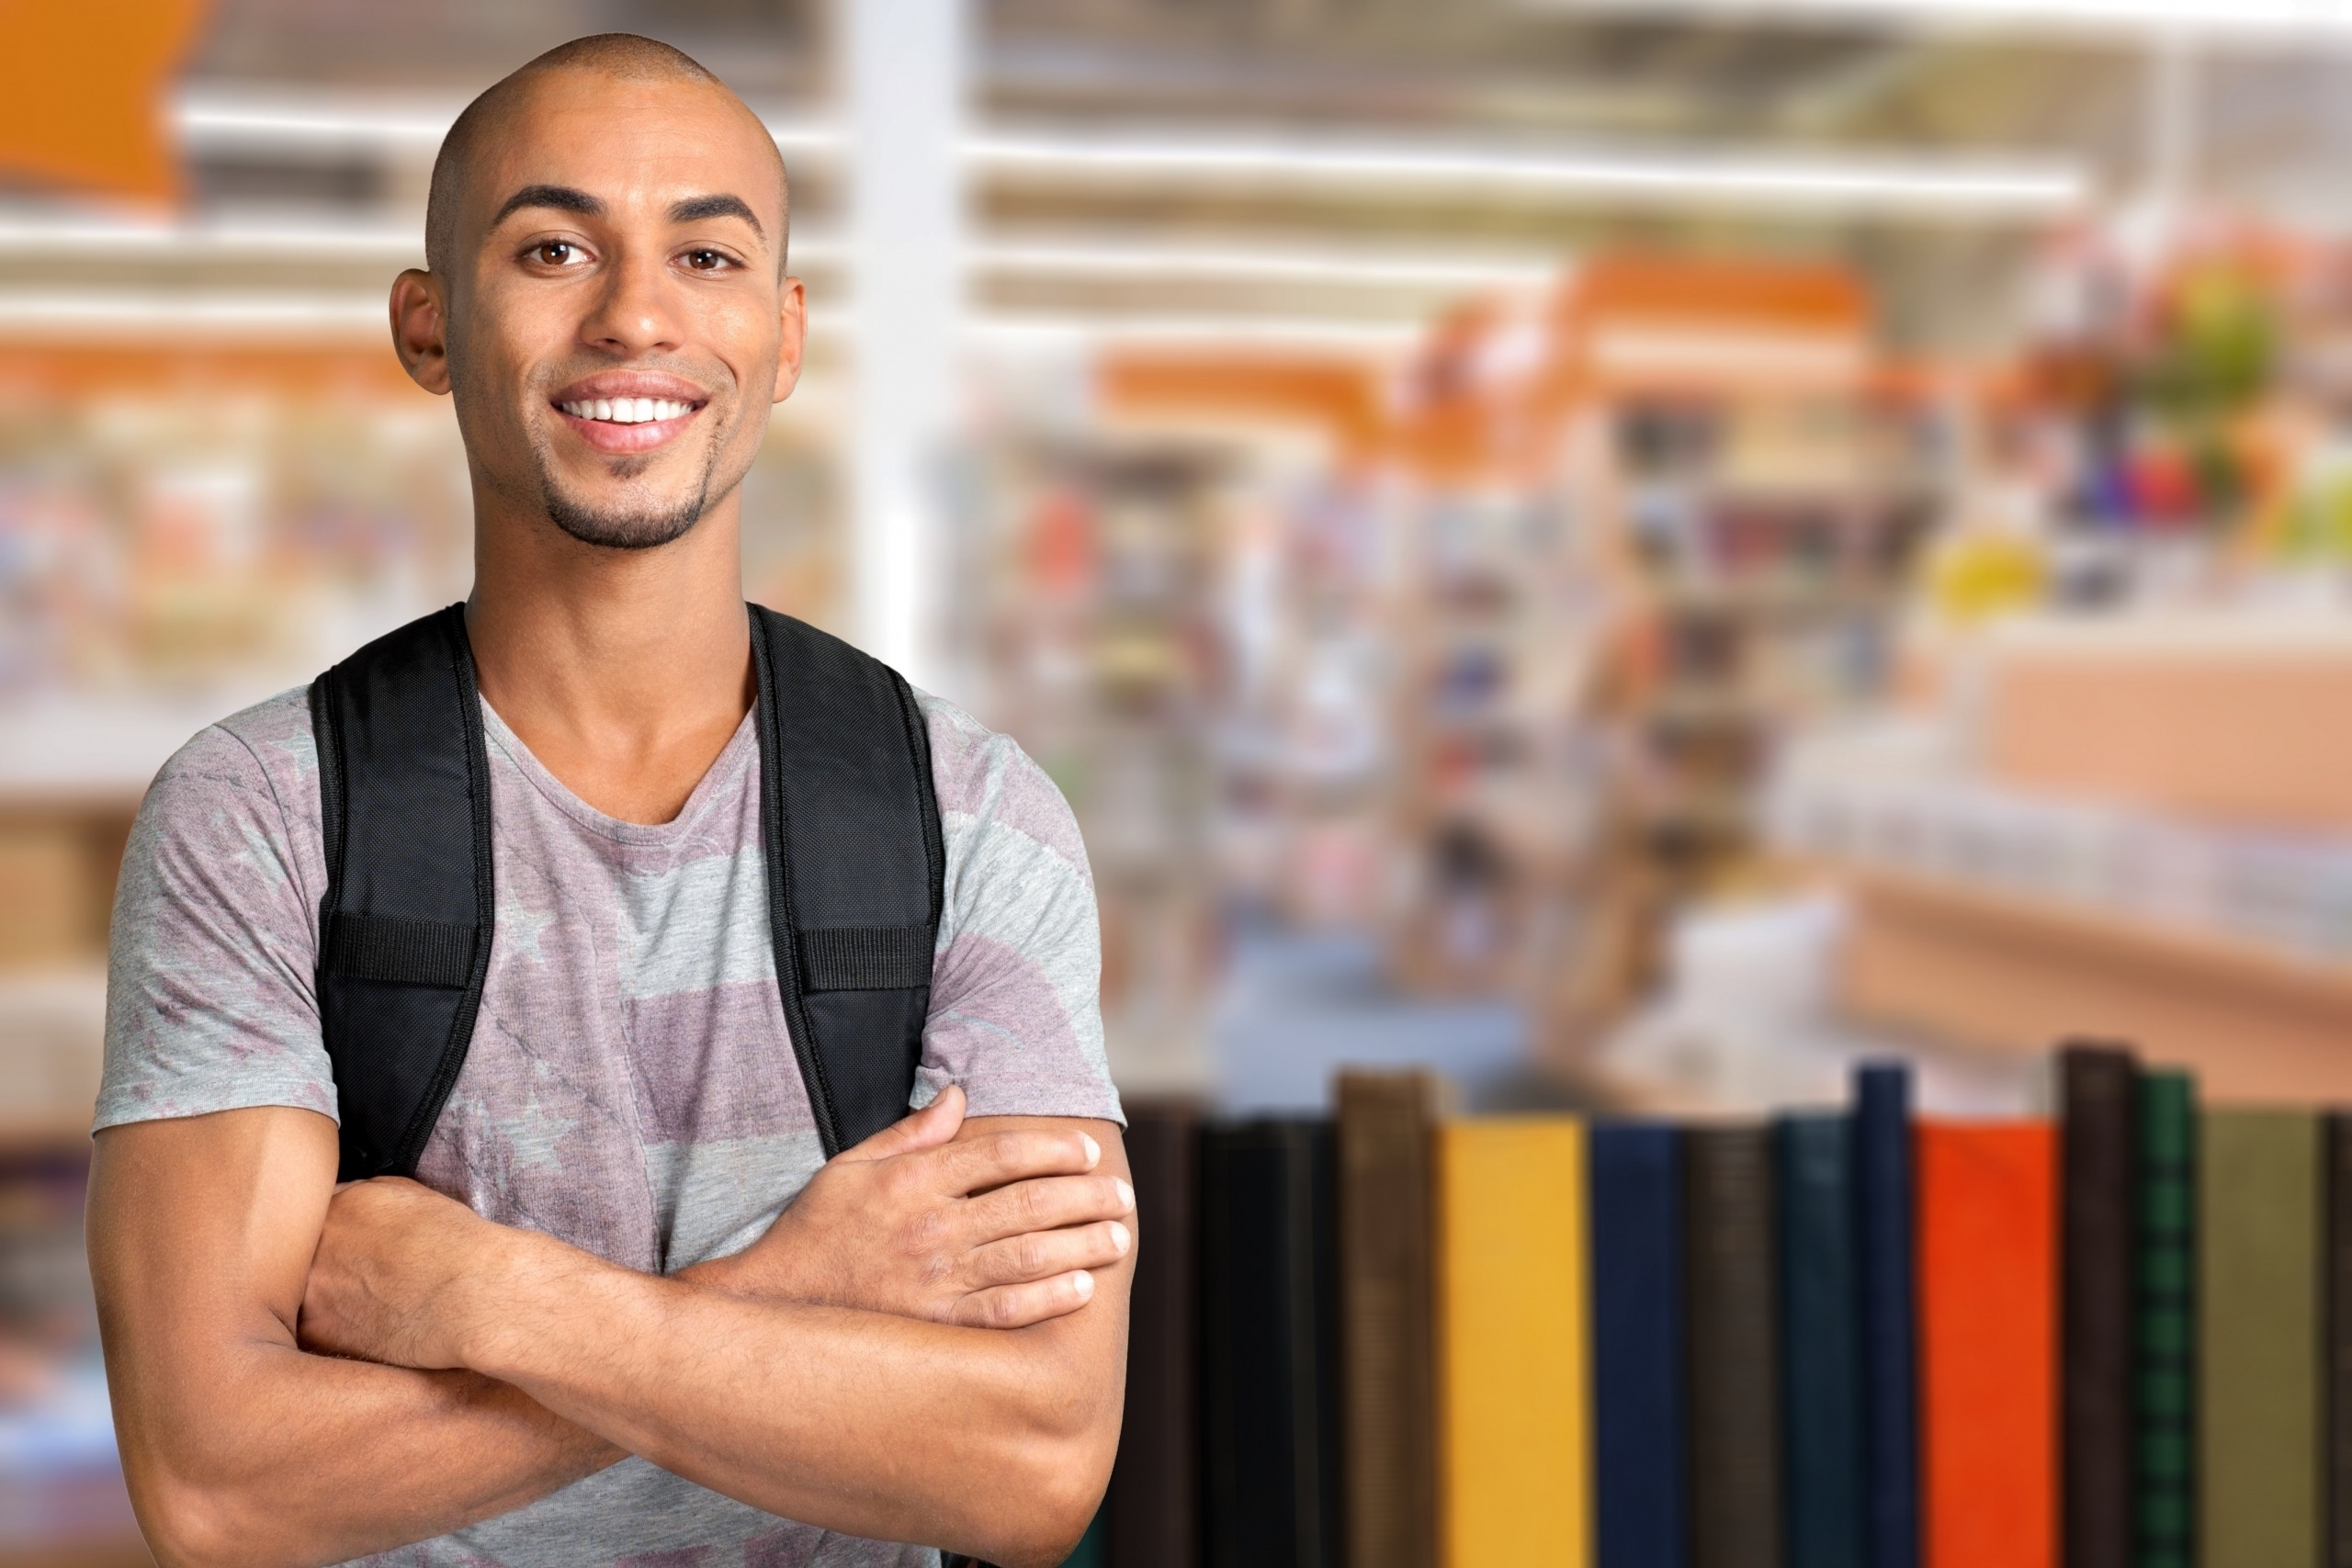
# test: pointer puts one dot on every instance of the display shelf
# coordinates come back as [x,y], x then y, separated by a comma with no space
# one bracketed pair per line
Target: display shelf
[1995,970]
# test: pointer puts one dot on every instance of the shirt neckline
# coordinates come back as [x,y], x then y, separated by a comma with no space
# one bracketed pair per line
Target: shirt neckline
[722,775]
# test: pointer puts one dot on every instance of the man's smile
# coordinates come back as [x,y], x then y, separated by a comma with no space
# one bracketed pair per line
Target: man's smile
[629,410]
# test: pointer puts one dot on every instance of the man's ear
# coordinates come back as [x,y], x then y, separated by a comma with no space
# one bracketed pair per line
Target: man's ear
[421,329]
[791,341]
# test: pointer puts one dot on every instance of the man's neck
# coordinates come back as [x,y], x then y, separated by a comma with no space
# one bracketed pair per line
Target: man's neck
[624,672]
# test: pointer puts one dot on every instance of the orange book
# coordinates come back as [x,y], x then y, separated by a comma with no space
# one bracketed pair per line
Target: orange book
[1988,1339]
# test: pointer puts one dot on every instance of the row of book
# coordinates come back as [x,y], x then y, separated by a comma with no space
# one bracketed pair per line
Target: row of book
[1841,1338]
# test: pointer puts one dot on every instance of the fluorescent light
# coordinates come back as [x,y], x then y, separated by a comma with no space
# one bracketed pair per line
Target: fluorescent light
[2248,18]
[1265,264]
[1022,329]
[229,116]
[1927,185]
[150,314]
[34,236]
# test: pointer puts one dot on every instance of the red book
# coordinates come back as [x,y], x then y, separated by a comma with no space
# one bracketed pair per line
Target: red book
[1988,1339]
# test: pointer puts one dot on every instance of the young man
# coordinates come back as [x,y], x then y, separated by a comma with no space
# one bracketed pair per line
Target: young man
[592,1331]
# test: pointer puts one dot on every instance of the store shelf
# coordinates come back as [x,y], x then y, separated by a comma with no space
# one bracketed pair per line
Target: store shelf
[1992,970]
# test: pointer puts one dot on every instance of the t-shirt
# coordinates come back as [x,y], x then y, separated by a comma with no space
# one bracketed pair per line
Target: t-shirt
[631,1087]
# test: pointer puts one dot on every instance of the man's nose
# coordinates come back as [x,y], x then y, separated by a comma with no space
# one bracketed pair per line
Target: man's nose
[636,309]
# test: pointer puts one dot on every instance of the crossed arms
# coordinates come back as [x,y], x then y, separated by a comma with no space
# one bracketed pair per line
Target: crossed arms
[928,1346]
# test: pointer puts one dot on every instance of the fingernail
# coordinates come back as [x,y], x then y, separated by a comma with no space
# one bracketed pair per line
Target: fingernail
[1093,1149]
[1083,1282]
[1126,1193]
[1120,1239]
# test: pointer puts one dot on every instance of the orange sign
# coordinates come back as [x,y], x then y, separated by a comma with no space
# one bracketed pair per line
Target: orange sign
[82,93]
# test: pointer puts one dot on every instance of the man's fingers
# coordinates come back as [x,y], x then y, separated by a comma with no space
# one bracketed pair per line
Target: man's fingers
[933,1125]
[1018,1306]
[1040,1255]
[977,1165]
[1047,1203]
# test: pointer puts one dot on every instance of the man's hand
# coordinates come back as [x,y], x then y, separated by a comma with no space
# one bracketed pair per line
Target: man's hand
[996,1231]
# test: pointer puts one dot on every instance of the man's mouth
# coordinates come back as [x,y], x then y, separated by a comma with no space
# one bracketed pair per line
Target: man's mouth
[620,412]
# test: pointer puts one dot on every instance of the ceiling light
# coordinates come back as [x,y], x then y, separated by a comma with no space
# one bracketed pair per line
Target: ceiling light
[2252,19]
[1275,264]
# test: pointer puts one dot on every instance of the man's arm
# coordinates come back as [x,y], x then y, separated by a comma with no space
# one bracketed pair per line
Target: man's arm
[996,1443]
[242,1447]
[238,1445]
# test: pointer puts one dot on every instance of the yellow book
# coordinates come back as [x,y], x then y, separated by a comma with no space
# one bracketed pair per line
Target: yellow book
[1514,1472]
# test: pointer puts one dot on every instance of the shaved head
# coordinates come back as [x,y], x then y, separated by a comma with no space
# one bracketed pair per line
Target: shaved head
[624,57]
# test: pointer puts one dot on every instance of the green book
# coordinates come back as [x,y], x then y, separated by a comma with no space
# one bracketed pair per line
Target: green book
[2258,1310]
[2164,1348]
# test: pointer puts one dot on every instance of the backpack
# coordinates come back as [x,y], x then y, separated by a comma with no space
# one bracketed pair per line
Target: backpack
[850,829]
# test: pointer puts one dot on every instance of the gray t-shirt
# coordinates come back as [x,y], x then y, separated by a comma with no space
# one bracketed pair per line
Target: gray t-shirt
[630,1086]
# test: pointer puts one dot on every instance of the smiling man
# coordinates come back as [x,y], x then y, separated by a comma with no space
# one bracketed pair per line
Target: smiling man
[605,1300]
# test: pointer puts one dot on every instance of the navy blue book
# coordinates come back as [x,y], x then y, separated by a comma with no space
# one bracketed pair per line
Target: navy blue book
[1883,1201]
[1635,1192]
[1821,1340]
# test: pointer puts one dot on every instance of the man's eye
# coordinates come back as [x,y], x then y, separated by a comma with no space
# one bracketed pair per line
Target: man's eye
[555,252]
[706,261]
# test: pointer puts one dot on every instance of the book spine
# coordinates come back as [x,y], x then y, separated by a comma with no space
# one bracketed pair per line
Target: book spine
[1988,1335]
[1890,1313]
[1820,1340]
[1385,1127]
[2258,1389]
[2165,1343]
[1513,1381]
[1733,1336]
[2098,1169]
[1152,1513]
[2338,1199]
[1637,1347]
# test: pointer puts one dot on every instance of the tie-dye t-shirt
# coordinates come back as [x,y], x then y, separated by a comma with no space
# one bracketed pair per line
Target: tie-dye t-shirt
[630,1086]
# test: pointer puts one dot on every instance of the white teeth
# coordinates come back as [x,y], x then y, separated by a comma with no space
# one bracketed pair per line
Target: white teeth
[626,411]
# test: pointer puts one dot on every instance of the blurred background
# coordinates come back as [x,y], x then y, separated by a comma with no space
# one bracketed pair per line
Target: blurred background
[1629,551]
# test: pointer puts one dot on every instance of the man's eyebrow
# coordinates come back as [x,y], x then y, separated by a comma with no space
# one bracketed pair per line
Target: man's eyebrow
[694,208]
[563,198]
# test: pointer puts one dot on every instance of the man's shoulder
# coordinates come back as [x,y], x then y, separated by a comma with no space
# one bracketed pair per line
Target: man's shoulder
[982,776]
[266,749]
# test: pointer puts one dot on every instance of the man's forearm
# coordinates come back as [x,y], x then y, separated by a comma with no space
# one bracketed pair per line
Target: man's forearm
[992,1442]
[329,1459]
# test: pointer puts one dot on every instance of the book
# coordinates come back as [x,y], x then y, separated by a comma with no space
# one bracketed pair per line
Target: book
[1821,1362]
[2097,1144]
[2258,1291]
[2164,1343]
[1385,1124]
[1635,1187]
[2337,1197]
[1732,1341]
[1270,1402]
[1988,1341]
[1889,1270]
[1513,1383]
[1152,1517]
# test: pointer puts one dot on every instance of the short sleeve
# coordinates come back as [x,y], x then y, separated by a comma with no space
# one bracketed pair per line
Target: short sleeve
[1016,1013]
[209,1004]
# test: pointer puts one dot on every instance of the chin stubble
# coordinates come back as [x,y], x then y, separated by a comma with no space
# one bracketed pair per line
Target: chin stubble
[618,528]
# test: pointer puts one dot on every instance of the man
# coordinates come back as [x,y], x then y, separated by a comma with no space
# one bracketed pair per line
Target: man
[592,1331]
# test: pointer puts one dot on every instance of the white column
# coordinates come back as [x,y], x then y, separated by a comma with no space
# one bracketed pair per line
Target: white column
[904,69]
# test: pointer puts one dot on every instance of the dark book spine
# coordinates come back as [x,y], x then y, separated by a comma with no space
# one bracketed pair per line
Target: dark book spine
[1634,1193]
[1886,1229]
[2337,1272]
[1152,1513]
[1732,1334]
[1820,1340]
[2098,1161]
[1387,1297]
[1270,1408]
[2164,1348]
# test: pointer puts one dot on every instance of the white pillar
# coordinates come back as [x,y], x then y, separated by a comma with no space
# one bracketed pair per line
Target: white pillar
[904,68]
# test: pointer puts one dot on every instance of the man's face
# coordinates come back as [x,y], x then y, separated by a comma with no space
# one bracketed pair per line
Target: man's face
[617,327]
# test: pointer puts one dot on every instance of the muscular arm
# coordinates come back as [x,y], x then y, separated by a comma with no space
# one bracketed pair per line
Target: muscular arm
[238,1445]
[997,1443]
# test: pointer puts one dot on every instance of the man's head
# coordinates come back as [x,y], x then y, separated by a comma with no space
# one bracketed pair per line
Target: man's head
[605,293]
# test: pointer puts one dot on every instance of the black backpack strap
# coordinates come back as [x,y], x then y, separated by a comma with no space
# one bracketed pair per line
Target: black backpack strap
[404,927]
[855,868]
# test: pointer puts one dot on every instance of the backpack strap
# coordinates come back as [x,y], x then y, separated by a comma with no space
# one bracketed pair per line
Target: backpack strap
[856,869]
[405,924]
